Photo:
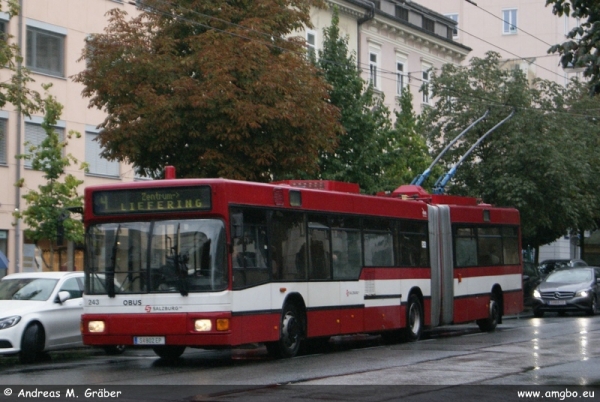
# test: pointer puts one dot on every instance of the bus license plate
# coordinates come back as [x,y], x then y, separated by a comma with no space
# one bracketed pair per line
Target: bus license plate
[557,302]
[148,340]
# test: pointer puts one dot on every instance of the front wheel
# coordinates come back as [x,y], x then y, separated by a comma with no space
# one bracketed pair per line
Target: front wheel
[114,350]
[414,319]
[290,334]
[170,352]
[489,324]
[32,343]
[593,307]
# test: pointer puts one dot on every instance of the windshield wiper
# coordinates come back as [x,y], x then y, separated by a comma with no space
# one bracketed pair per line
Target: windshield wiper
[180,266]
[110,270]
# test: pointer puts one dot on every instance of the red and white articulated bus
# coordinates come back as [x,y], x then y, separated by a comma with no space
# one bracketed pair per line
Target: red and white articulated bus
[215,263]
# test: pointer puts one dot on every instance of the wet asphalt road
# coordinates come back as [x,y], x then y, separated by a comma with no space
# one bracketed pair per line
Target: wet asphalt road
[558,354]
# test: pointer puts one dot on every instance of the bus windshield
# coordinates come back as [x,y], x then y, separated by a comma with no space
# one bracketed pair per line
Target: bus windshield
[177,256]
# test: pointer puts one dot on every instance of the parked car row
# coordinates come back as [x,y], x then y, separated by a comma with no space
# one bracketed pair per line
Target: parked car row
[40,312]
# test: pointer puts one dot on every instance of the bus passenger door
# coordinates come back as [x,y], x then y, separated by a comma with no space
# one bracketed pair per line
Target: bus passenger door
[442,265]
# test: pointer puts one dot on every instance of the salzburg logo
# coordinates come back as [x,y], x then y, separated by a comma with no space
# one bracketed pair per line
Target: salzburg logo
[148,309]
[351,292]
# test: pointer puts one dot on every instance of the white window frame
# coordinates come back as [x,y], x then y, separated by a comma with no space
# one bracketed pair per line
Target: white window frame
[35,31]
[375,68]
[454,17]
[401,76]
[426,78]
[509,21]
[97,165]
[311,46]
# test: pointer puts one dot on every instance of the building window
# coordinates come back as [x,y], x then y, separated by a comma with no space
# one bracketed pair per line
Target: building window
[454,30]
[509,21]
[311,44]
[377,4]
[400,77]
[401,13]
[34,135]
[426,87]
[45,52]
[3,126]
[97,164]
[428,25]
[374,70]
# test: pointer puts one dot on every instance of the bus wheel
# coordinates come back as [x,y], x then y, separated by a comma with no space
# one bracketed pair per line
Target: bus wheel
[170,352]
[489,324]
[114,350]
[414,319]
[290,335]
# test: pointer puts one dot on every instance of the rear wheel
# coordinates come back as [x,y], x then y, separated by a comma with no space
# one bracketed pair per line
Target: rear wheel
[114,349]
[414,319]
[489,324]
[290,335]
[32,343]
[170,352]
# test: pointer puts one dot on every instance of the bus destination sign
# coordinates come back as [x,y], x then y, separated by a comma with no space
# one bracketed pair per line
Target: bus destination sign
[156,200]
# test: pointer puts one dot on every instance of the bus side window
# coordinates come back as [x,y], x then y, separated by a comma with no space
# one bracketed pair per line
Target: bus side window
[289,244]
[248,259]
[346,247]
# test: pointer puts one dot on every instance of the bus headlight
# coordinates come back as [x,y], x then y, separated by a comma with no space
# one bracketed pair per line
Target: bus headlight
[202,325]
[96,326]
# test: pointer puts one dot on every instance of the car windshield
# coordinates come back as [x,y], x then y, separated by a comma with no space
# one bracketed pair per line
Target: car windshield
[177,256]
[27,289]
[570,276]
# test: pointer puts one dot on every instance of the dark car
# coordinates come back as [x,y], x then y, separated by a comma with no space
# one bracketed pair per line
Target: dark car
[568,290]
[531,279]
[548,266]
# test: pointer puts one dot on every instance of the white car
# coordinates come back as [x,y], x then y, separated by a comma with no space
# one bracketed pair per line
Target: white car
[40,312]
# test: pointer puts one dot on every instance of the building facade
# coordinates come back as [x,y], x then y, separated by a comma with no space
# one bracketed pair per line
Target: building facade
[396,44]
[51,35]
[521,31]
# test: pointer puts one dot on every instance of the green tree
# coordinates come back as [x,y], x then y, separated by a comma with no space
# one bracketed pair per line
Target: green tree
[45,207]
[216,89]
[582,47]
[360,153]
[538,161]
[408,152]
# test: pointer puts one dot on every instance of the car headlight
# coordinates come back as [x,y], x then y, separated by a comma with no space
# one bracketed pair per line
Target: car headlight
[536,294]
[582,293]
[9,321]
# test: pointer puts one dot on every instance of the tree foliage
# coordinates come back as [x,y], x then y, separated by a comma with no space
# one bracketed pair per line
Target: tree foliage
[216,89]
[541,161]
[46,206]
[408,151]
[582,48]
[362,154]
